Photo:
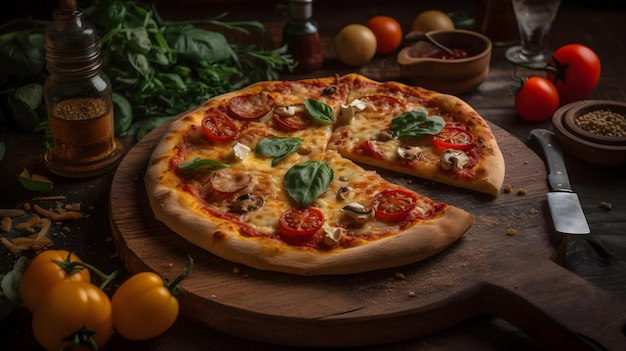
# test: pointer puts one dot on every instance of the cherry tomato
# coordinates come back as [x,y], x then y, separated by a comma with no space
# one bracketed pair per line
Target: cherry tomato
[218,127]
[577,72]
[297,222]
[48,269]
[388,33]
[394,204]
[370,147]
[143,307]
[71,309]
[537,99]
[453,138]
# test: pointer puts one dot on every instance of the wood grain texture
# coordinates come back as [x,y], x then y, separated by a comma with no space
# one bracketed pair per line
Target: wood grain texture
[486,272]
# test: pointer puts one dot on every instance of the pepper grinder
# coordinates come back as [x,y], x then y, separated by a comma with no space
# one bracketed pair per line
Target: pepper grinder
[78,98]
[302,38]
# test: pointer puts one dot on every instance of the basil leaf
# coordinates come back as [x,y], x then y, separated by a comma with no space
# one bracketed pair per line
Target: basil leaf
[416,123]
[34,182]
[278,148]
[200,163]
[319,111]
[306,181]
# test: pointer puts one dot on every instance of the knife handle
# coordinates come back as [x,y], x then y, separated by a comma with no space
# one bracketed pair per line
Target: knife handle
[553,156]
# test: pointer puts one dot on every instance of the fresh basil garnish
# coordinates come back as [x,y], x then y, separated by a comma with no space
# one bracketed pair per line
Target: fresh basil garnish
[319,111]
[416,123]
[34,182]
[278,148]
[306,181]
[201,163]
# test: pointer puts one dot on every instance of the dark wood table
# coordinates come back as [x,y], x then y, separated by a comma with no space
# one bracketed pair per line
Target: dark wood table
[598,258]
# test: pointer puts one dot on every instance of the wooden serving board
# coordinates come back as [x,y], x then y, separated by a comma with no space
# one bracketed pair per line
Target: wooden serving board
[487,272]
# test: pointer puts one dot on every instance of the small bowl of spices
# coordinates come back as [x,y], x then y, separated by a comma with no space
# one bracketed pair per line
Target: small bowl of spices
[593,131]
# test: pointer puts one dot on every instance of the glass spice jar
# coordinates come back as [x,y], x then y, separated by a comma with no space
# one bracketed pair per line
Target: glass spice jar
[302,38]
[78,99]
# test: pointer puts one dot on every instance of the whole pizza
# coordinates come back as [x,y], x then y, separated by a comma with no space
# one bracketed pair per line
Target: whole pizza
[275,176]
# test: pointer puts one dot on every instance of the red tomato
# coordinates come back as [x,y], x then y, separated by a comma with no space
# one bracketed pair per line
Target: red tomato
[577,72]
[453,138]
[219,128]
[370,147]
[537,99]
[388,33]
[394,204]
[298,222]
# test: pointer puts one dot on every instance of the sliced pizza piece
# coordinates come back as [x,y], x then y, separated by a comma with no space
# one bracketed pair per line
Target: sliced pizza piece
[318,217]
[421,133]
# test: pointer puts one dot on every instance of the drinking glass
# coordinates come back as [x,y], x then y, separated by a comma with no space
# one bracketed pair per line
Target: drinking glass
[534,18]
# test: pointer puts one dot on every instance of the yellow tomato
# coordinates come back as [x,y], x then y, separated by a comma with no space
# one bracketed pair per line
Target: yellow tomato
[48,269]
[355,45]
[431,20]
[143,307]
[71,315]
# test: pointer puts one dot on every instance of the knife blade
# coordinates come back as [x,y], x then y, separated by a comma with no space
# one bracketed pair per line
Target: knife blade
[564,204]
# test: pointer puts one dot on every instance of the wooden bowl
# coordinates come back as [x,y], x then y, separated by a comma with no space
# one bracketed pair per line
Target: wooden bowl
[593,148]
[452,76]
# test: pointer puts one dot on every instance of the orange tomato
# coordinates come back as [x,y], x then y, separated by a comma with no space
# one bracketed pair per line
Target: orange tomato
[48,269]
[73,315]
[388,33]
[143,307]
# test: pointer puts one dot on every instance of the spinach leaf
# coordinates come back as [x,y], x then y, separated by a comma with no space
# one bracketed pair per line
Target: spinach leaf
[416,123]
[319,111]
[201,163]
[123,113]
[306,181]
[197,44]
[22,54]
[279,148]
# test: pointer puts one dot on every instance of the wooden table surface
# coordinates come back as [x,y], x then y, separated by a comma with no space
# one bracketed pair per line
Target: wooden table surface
[598,258]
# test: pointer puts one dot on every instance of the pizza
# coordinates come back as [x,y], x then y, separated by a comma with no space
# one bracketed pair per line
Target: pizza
[281,175]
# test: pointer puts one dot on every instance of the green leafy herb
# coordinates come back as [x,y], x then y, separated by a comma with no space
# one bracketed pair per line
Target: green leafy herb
[416,123]
[306,181]
[163,68]
[201,163]
[279,148]
[319,111]
[123,113]
[34,182]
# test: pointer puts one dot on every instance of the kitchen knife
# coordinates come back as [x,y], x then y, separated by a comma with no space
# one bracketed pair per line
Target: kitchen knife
[567,214]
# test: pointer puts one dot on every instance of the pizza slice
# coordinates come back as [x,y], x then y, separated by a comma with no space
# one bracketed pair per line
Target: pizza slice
[316,217]
[418,132]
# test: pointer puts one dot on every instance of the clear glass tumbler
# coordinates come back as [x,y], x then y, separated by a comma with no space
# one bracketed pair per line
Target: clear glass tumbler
[534,19]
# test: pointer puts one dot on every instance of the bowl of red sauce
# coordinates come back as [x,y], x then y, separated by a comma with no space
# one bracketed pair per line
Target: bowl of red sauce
[427,66]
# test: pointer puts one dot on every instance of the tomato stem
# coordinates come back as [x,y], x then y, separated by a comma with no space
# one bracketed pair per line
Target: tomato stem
[71,267]
[83,337]
[173,287]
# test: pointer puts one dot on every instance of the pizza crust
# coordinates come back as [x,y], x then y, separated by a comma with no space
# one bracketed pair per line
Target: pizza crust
[222,239]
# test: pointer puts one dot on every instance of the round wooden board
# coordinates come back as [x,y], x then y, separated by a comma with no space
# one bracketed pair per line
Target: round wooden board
[486,272]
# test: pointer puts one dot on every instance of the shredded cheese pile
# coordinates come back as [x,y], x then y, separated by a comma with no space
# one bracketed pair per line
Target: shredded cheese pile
[34,231]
